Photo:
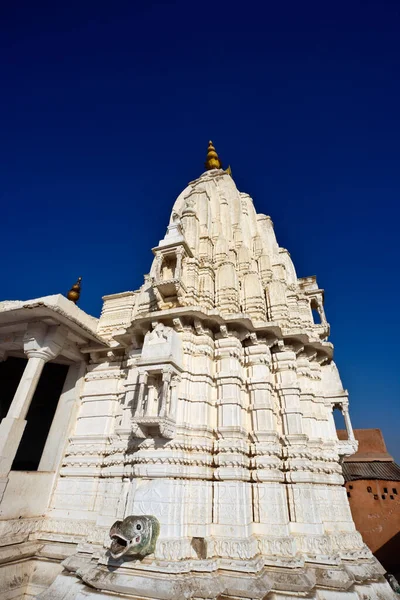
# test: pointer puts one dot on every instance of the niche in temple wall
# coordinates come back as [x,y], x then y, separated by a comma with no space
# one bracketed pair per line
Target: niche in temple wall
[153,396]
[158,374]
[170,254]
[168,267]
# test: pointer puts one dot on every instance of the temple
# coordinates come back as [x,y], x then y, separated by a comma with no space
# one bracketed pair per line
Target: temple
[182,445]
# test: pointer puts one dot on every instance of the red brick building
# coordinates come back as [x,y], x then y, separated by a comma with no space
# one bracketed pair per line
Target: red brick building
[373,488]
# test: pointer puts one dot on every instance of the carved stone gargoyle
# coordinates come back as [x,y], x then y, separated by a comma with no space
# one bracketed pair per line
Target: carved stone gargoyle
[134,536]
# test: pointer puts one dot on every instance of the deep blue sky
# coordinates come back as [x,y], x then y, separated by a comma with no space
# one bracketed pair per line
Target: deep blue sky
[106,111]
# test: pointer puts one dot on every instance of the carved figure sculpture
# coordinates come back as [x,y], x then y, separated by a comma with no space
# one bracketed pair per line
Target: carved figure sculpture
[159,335]
[134,536]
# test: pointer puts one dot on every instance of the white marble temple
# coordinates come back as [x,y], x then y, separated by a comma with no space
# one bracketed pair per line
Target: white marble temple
[203,399]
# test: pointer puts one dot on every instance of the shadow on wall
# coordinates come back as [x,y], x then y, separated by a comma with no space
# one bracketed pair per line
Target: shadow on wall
[389,555]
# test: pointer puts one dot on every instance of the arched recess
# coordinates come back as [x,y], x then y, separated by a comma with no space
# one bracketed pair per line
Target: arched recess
[315,312]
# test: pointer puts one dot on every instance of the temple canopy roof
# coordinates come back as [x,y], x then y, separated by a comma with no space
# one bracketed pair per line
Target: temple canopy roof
[56,310]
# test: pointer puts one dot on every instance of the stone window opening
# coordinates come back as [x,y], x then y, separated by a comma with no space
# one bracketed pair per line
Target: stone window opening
[383,497]
[316,312]
[391,497]
[385,490]
[168,285]
[394,490]
[154,395]
[342,419]
[369,489]
[375,496]
[168,267]
[339,419]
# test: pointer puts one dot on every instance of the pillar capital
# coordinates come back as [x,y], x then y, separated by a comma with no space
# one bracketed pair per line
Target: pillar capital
[143,376]
[167,374]
[42,341]
[175,380]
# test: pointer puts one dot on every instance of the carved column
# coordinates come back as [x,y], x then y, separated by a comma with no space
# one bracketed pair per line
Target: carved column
[304,308]
[227,288]
[266,449]
[190,224]
[206,286]
[276,301]
[284,361]
[41,344]
[158,262]
[27,385]
[232,490]
[64,417]
[179,258]
[253,297]
[190,279]
[143,376]
[264,266]
[166,380]
[174,398]
[299,465]
[321,312]
[230,428]
[350,432]
[269,494]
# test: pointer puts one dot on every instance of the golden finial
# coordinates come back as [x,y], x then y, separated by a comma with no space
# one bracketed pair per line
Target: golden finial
[212,161]
[75,291]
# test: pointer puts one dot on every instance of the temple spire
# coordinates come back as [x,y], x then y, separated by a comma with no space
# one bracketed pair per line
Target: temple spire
[75,291]
[212,162]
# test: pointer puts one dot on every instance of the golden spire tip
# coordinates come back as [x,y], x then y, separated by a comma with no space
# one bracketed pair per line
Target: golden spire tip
[212,161]
[75,291]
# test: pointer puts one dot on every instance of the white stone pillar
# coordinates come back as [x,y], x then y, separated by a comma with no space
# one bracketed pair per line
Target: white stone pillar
[266,449]
[284,362]
[27,386]
[166,380]
[64,418]
[41,344]
[347,421]
[174,398]
[229,380]
[276,301]
[142,386]
[232,491]
[179,257]
[321,312]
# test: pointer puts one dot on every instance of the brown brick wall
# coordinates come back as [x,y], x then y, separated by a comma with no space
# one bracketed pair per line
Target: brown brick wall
[377,517]
[371,445]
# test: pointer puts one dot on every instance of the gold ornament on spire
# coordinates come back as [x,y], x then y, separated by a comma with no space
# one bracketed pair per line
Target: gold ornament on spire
[212,161]
[228,171]
[75,291]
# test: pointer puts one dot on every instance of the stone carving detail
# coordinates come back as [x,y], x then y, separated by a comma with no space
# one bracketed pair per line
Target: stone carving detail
[134,536]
